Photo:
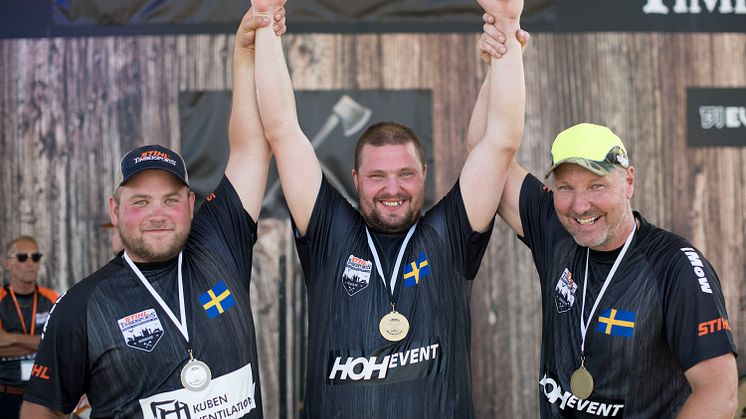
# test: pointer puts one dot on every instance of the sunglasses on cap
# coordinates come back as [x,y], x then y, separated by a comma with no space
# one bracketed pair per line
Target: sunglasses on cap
[22,257]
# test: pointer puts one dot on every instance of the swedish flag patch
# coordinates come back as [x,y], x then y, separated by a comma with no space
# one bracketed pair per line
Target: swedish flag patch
[217,300]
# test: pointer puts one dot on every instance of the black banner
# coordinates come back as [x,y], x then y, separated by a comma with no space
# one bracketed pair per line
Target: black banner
[716,117]
[23,18]
[332,119]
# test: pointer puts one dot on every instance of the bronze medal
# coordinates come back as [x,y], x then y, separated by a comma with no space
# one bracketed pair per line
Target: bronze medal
[581,383]
[394,326]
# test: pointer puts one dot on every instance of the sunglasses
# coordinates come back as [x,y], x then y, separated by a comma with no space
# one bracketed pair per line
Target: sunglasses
[22,257]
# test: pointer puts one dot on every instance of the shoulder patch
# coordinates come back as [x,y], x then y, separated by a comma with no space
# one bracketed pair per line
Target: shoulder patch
[564,292]
[141,330]
[356,275]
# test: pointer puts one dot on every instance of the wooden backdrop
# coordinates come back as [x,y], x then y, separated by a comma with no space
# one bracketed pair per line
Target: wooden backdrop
[70,107]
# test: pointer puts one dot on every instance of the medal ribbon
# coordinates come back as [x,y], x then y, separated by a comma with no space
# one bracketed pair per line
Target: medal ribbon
[182,325]
[583,324]
[20,315]
[399,257]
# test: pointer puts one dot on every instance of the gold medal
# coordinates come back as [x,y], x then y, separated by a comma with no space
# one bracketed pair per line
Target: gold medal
[394,326]
[581,382]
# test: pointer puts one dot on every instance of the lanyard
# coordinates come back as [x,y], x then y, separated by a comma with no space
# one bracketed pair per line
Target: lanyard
[399,257]
[20,315]
[583,324]
[182,325]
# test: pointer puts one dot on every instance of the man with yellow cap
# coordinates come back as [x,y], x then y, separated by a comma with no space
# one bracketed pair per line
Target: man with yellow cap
[634,322]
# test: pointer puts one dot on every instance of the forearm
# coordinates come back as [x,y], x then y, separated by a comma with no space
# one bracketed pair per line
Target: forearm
[245,131]
[506,100]
[478,121]
[34,411]
[17,344]
[274,89]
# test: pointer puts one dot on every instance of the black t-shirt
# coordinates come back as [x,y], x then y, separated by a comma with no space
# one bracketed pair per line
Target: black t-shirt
[109,338]
[352,370]
[15,370]
[662,313]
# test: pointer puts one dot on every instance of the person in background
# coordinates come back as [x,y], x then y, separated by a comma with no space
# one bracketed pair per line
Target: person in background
[24,309]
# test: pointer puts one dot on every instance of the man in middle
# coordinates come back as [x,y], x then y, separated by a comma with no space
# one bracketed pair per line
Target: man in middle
[388,287]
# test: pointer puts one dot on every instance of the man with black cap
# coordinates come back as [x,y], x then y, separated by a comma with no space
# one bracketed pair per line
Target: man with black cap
[634,321]
[166,329]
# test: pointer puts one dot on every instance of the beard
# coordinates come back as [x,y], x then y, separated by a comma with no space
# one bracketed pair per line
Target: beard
[379,223]
[375,218]
[148,252]
[605,236]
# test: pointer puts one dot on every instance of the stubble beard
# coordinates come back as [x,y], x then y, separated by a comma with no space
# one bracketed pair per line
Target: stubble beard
[138,247]
[605,235]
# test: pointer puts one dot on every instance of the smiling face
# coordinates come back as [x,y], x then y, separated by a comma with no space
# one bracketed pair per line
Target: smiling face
[153,215]
[595,210]
[390,183]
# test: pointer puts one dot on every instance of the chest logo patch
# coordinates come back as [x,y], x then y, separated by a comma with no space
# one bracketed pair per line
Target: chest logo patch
[356,275]
[416,270]
[564,292]
[141,330]
[616,322]
[217,300]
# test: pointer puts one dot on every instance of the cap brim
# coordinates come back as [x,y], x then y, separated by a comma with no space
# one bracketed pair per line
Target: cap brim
[132,174]
[597,167]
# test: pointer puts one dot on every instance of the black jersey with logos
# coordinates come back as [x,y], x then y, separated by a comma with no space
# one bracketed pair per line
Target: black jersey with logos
[15,370]
[109,338]
[662,313]
[353,372]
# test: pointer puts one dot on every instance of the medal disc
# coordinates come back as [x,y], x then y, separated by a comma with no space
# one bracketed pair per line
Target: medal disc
[581,383]
[195,375]
[394,326]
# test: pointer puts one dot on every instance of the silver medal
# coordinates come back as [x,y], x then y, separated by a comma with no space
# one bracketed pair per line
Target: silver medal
[196,375]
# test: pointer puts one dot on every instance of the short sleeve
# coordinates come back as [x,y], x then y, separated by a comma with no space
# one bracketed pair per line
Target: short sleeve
[541,227]
[223,218]
[59,377]
[697,326]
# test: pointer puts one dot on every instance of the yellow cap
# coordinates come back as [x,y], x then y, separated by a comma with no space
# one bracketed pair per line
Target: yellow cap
[594,147]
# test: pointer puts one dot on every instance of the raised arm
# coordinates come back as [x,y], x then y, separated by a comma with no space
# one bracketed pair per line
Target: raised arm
[250,154]
[297,164]
[487,166]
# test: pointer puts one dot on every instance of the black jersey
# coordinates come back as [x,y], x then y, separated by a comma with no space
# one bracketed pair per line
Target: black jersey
[353,372]
[109,338]
[16,370]
[663,312]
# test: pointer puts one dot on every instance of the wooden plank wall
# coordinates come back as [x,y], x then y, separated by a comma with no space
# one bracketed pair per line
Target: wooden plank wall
[70,107]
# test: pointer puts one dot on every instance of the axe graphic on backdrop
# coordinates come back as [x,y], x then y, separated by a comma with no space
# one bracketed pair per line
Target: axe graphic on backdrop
[353,117]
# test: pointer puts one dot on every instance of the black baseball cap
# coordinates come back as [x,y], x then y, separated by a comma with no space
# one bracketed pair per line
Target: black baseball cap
[151,156]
